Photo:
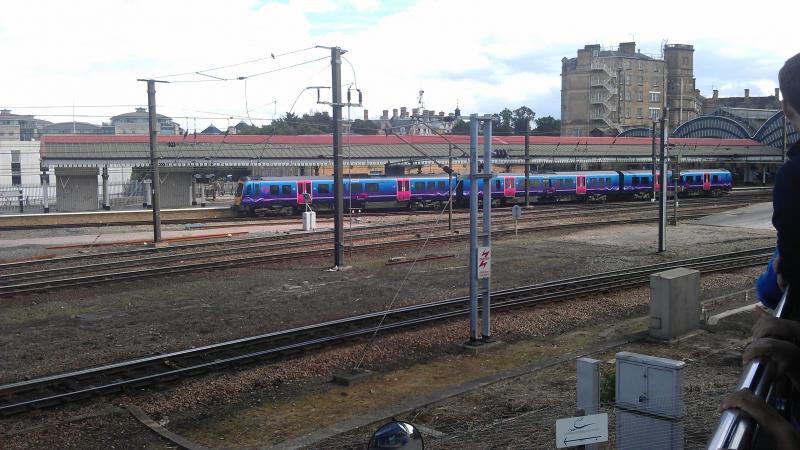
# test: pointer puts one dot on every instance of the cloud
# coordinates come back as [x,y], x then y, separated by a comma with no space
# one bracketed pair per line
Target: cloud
[485,57]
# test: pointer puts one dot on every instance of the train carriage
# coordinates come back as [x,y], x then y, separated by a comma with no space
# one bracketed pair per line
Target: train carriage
[291,194]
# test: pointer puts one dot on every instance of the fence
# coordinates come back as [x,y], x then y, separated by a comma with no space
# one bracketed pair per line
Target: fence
[127,195]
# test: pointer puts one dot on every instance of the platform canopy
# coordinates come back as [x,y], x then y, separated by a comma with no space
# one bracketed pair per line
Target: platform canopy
[316,150]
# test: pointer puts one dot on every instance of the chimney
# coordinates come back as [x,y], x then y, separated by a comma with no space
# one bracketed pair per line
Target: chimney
[716,94]
[403,112]
[366,114]
[394,113]
[777,94]
[627,48]
[746,93]
[441,113]
[415,112]
[385,114]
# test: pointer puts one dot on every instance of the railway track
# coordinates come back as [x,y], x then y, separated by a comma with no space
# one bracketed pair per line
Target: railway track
[55,389]
[20,278]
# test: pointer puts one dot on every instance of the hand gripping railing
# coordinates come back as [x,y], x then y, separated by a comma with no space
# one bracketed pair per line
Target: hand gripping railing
[735,430]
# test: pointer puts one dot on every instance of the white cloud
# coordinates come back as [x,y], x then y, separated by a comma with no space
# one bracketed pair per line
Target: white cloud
[485,56]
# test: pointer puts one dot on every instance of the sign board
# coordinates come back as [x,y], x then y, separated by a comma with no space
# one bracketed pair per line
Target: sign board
[516,212]
[582,430]
[484,262]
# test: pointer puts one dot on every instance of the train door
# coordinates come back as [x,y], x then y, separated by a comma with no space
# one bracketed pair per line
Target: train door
[509,190]
[706,181]
[303,188]
[403,189]
[580,184]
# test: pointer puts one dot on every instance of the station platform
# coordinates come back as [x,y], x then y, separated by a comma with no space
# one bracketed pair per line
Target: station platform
[758,216]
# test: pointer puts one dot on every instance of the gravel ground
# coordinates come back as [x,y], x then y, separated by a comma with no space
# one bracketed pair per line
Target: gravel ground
[52,332]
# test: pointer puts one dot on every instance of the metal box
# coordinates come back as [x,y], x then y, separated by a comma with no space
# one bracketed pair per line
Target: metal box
[638,431]
[674,303]
[650,385]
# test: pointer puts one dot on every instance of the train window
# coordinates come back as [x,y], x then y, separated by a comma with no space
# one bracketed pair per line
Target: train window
[698,179]
[247,189]
[287,189]
[324,188]
[498,185]
[273,189]
[569,182]
[608,181]
[715,178]
[371,187]
[357,188]
[635,181]
[556,183]
[419,186]
[431,185]
[593,182]
[441,186]
[535,183]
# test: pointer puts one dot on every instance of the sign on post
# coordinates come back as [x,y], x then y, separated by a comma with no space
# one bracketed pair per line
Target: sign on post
[516,212]
[484,262]
[581,430]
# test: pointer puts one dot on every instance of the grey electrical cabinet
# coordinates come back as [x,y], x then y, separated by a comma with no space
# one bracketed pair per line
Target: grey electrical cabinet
[637,431]
[649,384]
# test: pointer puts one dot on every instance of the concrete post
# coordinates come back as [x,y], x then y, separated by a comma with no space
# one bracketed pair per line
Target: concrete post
[45,177]
[194,191]
[202,187]
[106,202]
[148,193]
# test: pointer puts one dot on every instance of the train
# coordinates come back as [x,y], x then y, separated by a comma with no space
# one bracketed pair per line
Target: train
[292,195]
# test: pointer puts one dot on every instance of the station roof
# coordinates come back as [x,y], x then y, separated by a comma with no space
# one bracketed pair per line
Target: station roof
[313,150]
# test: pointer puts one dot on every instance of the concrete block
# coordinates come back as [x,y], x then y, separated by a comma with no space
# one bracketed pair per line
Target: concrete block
[476,348]
[674,303]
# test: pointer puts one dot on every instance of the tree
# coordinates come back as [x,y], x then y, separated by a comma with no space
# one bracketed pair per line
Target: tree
[522,118]
[502,123]
[364,127]
[548,125]
[460,127]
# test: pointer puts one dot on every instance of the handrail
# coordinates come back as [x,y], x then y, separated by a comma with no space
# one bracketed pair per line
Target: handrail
[735,430]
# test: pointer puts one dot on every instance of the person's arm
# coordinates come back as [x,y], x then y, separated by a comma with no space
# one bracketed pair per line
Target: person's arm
[768,325]
[784,354]
[785,437]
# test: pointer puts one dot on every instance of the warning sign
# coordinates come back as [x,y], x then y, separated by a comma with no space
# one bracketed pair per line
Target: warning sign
[484,262]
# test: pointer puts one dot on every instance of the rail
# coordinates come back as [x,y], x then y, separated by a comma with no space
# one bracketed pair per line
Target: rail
[735,430]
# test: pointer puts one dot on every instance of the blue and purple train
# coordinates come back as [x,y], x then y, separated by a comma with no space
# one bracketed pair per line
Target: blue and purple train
[289,195]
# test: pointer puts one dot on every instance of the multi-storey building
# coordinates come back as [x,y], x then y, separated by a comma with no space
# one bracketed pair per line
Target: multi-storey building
[137,122]
[16,127]
[607,91]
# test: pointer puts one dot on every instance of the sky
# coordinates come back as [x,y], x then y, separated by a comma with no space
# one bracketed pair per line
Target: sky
[257,58]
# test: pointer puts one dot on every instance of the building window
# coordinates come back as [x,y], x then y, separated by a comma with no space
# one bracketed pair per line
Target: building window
[628,64]
[627,96]
[655,97]
[639,96]
[655,81]
[641,80]
[655,114]
[638,113]
[627,112]
[655,68]
[641,66]
[627,81]
[595,53]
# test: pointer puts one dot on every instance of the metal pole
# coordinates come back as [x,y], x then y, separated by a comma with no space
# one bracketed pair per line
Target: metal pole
[473,228]
[338,206]
[527,161]
[487,227]
[654,163]
[662,209]
[450,187]
[151,105]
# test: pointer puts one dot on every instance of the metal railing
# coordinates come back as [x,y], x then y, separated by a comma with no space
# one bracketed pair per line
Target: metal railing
[736,430]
